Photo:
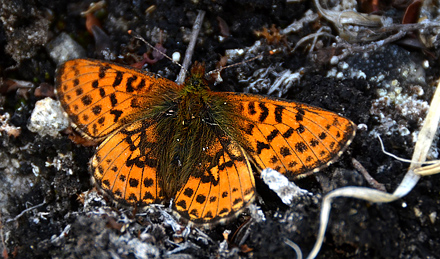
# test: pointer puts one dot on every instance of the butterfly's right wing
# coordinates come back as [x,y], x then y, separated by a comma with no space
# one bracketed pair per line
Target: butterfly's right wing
[293,138]
[101,97]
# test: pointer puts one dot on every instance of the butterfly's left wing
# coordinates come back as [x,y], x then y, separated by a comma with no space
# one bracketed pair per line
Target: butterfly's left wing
[125,165]
[293,138]
[224,188]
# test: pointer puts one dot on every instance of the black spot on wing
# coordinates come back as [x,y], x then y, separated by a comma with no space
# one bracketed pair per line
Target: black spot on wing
[261,146]
[236,201]
[133,182]
[249,128]
[279,114]
[301,147]
[251,108]
[118,78]
[96,109]
[285,151]
[103,71]
[141,84]
[264,112]
[188,192]
[148,182]
[223,211]
[106,183]
[75,70]
[134,103]
[117,114]
[101,92]
[288,133]
[272,135]
[130,81]
[194,212]
[86,100]
[314,143]
[182,204]
[300,115]
[148,196]
[113,99]
[200,198]
[95,84]
[118,193]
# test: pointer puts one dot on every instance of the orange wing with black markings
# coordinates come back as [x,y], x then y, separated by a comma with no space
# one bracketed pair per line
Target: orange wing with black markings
[293,138]
[125,165]
[101,97]
[223,190]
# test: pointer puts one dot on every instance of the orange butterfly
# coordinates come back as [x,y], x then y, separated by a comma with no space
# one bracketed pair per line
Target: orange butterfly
[161,140]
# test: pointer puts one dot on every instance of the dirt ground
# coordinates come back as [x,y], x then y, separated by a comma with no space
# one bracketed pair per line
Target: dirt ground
[49,207]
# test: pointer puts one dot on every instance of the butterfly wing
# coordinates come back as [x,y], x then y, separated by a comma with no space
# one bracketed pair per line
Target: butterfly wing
[224,188]
[125,165]
[101,97]
[293,138]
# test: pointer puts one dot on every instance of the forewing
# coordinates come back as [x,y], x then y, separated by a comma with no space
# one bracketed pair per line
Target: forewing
[293,138]
[125,165]
[223,190]
[100,97]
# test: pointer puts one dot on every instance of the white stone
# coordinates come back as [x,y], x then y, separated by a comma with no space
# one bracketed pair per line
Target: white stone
[284,188]
[176,57]
[47,118]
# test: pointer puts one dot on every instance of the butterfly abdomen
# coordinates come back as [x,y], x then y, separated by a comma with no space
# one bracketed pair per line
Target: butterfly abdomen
[190,135]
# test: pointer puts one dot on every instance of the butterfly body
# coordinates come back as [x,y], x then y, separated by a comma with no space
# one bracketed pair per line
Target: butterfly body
[165,141]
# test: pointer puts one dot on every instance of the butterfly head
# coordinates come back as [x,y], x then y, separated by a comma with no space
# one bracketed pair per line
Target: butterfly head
[196,82]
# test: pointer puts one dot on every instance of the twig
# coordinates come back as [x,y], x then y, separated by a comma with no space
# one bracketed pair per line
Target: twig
[139,37]
[373,46]
[190,50]
[371,181]
[24,211]
[218,70]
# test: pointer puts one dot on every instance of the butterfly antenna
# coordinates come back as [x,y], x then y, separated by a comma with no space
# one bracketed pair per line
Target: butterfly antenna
[218,70]
[139,37]
[190,50]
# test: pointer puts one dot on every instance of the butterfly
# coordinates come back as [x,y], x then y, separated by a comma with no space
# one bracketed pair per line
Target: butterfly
[160,140]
